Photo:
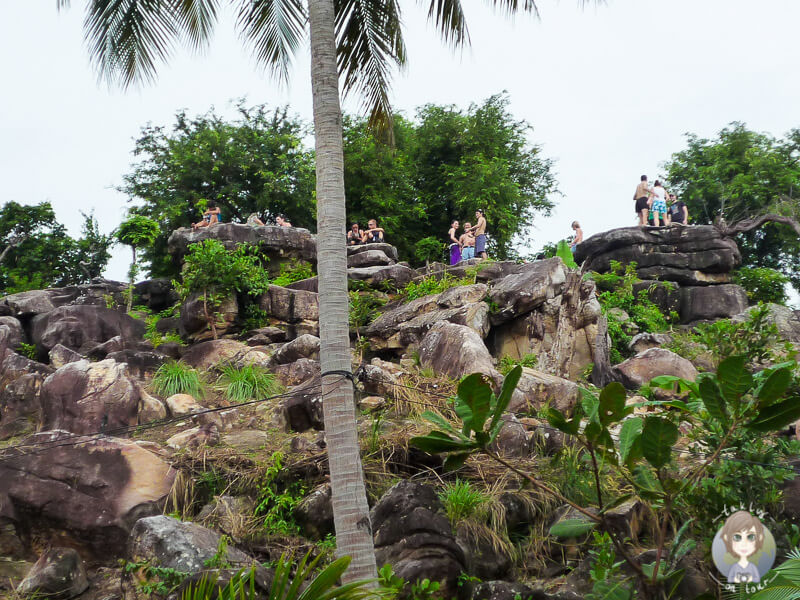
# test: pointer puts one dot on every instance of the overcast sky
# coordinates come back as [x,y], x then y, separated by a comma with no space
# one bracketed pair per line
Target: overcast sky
[610,92]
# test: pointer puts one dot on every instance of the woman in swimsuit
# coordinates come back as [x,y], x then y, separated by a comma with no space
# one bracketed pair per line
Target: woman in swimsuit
[658,205]
[455,247]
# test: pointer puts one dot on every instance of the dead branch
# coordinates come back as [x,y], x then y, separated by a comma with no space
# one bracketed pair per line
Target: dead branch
[746,225]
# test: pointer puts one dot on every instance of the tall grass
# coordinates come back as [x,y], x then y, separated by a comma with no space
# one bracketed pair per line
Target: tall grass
[250,382]
[461,500]
[176,377]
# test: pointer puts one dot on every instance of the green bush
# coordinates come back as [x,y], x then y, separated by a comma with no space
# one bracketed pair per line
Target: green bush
[507,363]
[364,308]
[461,500]
[294,271]
[250,382]
[176,377]
[278,500]
[762,284]
[433,285]
[28,350]
[429,249]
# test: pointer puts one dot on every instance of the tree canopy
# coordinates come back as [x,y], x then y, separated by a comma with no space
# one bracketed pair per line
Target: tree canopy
[37,252]
[738,175]
[256,163]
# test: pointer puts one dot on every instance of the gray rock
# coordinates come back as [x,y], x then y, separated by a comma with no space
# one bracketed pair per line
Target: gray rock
[517,294]
[369,257]
[11,333]
[298,372]
[58,574]
[289,305]
[304,346]
[303,409]
[413,535]
[206,355]
[396,275]
[61,355]
[21,381]
[512,440]
[194,325]
[536,390]
[644,341]
[785,319]
[640,369]
[387,249]
[156,294]
[503,590]
[315,513]
[456,350]
[179,545]
[711,302]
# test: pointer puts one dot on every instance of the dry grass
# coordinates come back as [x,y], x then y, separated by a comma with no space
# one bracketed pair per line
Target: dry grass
[418,391]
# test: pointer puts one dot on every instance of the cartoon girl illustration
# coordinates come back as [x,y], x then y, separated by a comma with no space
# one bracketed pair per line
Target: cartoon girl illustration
[743,535]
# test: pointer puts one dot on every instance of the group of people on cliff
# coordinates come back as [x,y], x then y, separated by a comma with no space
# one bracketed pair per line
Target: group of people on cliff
[656,206]
[471,243]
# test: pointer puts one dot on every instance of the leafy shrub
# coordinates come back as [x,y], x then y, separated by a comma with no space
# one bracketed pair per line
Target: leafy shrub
[154,579]
[176,377]
[429,249]
[432,285]
[28,350]
[152,334]
[507,363]
[616,291]
[277,501]
[294,271]
[364,308]
[254,317]
[461,500]
[250,382]
[762,284]
[564,252]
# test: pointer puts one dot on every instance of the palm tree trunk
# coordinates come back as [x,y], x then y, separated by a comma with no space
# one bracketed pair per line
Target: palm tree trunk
[350,508]
[131,278]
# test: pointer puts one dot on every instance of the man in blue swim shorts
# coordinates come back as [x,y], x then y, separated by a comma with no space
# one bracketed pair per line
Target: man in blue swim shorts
[479,229]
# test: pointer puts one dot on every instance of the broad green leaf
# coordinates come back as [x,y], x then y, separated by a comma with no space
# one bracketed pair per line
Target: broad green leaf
[629,435]
[571,528]
[647,486]
[658,436]
[713,400]
[776,416]
[455,461]
[611,590]
[778,588]
[592,431]
[557,420]
[433,444]
[773,387]
[439,421]
[590,404]
[612,403]
[665,382]
[476,392]
[734,378]
[509,385]
[618,501]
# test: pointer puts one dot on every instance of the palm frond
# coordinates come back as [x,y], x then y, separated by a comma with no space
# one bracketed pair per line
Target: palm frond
[448,16]
[127,38]
[369,42]
[196,18]
[512,7]
[276,28]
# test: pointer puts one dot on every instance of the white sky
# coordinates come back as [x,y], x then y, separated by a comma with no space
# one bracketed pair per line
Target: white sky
[610,92]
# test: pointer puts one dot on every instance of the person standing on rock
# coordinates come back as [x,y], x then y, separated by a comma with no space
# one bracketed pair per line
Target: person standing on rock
[576,227]
[678,211]
[455,245]
[467,243]
[658,204]
[479,230]
[641,197]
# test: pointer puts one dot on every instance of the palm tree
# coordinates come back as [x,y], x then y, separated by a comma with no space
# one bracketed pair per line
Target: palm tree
[357,41]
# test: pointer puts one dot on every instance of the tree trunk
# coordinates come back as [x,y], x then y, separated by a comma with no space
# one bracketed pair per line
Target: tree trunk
[754,223]
[131,278]
[350,509]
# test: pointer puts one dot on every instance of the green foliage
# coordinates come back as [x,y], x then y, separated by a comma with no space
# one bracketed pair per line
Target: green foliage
[782,582]
[433,284]
[152,334]
[429,249]
[157,580]
[294,271]
[254,317]
[249,382]
[28,350]
[424,590]
[137,231]
[256,163]
[617,292]
[364,308]
[762,284]
[461,500]
[757,337]
[176,377]
[607,583]
[241,586]
[278,500]
[37,252]
[738,174]
[564,252]
[220,558]
[507,363]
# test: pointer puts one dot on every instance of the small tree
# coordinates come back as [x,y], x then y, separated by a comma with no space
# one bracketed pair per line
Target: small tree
[428,250]
[137,232]
[216,273]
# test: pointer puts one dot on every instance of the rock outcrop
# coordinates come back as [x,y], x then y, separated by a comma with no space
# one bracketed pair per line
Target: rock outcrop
[698,260]
[59,574]
[21,381]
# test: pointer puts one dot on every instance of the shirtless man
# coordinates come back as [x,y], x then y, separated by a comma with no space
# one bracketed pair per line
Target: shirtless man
[210,216]
[479,230]
[641,196]
[467,243]
[282,221]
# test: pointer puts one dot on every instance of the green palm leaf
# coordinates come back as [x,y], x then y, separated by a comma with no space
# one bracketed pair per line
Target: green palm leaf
[275,28]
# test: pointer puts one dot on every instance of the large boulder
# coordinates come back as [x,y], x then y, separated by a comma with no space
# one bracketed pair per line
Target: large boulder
[314,513]
[519,293]
[156,294]
[194,324]
[455,351]
[304,346]
[387,249]
[84,397]
[414,536]
[20,384]
[701,303]
[92,490]
[278,244]
[697,255]
[207,354]
[59,574]
[369,257]
[288,305]
[82,327]
[11,333]
[182,546]
[536,390]
[298,372]
[785,319]
[639,370]
[397,276]
[36,302]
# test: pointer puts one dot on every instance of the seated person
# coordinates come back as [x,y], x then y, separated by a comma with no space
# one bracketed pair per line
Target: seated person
[355,236]
[467,242]
[373,234]
[678,211]
[211,216]
[282,221]
[253,220]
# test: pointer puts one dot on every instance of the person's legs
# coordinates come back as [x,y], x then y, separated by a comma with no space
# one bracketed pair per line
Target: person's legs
[643,217]
[467,252]
[480,246]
